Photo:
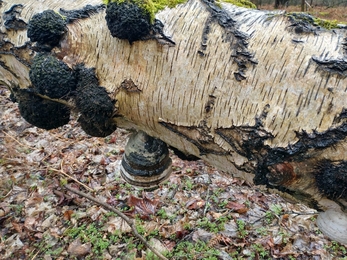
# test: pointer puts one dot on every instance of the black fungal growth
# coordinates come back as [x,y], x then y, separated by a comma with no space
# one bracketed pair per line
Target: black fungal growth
[127,21]
[42,113]
[51,77]
[94,104]
[331,179]
[46,28]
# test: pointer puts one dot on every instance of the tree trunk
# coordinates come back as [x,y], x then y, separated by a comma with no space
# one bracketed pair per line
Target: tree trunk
[257,94]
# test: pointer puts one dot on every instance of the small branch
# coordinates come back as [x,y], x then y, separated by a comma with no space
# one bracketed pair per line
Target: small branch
[14,139]
[70,177]
[120,214]
[207,199]
[61,101]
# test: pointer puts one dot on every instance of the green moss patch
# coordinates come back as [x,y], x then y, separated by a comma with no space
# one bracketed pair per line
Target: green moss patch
[314,21]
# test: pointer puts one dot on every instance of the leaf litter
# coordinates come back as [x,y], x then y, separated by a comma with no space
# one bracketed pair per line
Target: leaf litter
[199,213]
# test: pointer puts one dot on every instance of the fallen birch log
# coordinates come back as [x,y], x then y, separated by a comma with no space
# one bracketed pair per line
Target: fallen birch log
[257,94]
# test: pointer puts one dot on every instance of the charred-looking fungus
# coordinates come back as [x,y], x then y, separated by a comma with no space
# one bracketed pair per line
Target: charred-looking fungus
[331,179]
[46,28]
[94,104]
[40,112]
[97,130]
[128,19]
[146,161]
[51,77]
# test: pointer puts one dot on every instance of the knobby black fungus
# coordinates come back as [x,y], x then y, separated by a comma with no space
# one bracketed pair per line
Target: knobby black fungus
[97,130]
[94,104]
[128,21]
[331,179]
[42,113]
[51,76]
[47,27]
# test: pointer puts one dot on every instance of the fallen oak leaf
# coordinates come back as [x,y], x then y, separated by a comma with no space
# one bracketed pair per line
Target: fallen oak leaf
[68,214]
[236,207]
[195,203]
[143,207]
[76,248]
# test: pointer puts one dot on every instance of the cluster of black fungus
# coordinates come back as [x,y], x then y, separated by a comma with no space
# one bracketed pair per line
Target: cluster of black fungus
[46,28]
[331,179]
[128,21]
[94,104]
[42,113]
[51,76]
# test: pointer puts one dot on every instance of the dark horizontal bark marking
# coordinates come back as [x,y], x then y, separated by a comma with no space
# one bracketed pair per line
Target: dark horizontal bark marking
[332,66]
[191,133]
[85,12]
[12,20]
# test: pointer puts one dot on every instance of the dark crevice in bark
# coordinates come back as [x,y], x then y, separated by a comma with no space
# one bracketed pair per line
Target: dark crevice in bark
[189,133]
[85,12]
[12,20]
[238,40]
[21,53]
[332,66]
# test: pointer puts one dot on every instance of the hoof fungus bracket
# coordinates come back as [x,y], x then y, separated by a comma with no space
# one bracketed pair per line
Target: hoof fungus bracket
[333,224]
[146,161]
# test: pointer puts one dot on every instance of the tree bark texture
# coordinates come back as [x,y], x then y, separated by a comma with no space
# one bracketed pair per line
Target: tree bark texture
[257,94]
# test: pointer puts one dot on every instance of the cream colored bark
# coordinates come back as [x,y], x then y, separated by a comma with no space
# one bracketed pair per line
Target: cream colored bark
[237,96]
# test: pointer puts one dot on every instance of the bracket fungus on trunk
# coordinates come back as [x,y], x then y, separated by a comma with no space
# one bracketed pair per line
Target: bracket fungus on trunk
[146,161]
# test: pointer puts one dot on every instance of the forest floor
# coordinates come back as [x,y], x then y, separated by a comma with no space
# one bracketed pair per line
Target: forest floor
[199,213]
[329,13]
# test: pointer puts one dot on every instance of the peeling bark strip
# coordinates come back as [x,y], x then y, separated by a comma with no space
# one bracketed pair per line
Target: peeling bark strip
[250,92]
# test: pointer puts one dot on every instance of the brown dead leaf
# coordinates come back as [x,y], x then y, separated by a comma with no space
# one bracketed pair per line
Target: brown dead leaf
[34,200]
[237,207]
[144,207]
[216,215]
[17,226]
[169,244]
[4,209]
[78,249]
[30,223]
[68,214]
[195,203]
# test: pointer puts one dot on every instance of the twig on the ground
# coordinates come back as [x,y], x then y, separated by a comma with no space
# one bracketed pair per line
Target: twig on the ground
[207,199]
[70,177]
[120,214]
[14,139]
